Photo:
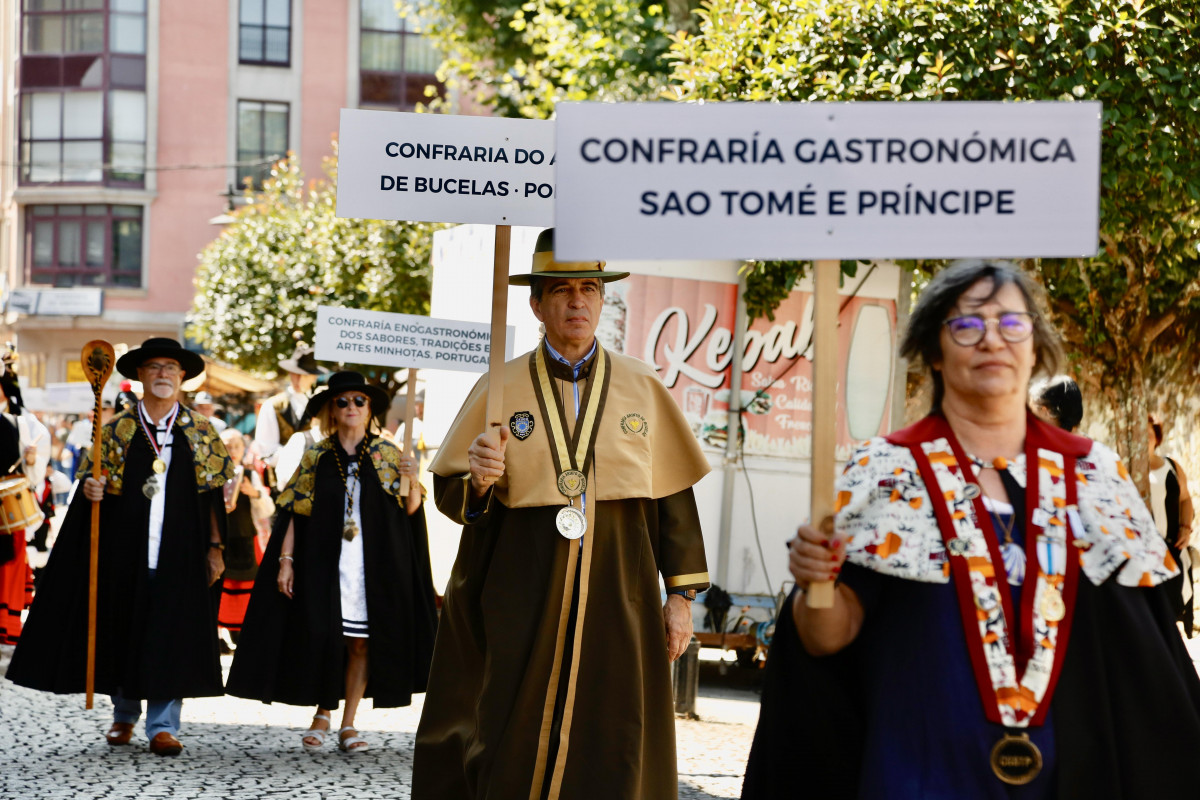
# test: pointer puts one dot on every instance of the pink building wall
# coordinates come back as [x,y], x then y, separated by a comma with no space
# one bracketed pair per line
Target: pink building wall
[323,92]
[193,49]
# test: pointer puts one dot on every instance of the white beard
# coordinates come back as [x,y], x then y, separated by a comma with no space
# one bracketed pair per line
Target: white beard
[163,391]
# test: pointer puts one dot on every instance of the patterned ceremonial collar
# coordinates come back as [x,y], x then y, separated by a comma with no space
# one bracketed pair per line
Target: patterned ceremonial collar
[212,463]
[297,496]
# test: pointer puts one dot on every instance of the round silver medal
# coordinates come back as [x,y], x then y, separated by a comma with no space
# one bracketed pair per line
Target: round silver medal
[571,522]
[150,487]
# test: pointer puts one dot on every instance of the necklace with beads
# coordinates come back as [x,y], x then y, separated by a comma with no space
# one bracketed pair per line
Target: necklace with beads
[1012,553]
[349,528]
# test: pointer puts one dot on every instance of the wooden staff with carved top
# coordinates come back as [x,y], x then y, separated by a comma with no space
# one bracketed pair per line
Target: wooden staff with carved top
[97,359]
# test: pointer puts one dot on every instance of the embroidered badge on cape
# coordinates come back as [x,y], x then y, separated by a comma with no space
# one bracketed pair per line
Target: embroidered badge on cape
[521,425]
[634,423]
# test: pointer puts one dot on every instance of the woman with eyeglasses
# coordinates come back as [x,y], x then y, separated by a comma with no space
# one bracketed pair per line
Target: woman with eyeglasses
[1000,626]
[343,606]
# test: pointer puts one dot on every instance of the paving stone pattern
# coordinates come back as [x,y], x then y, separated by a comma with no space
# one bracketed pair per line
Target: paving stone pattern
[51,747]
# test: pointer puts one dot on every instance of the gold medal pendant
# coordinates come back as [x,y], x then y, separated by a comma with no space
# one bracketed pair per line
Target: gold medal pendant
[1016,760]
[571,522]
[159,466]
[1054,609]
[349,531]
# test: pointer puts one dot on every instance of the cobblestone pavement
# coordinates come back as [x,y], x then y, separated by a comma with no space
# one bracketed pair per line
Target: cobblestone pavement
[50,747]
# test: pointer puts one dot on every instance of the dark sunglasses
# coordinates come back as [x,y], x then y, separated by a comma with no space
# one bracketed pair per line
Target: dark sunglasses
[344,402]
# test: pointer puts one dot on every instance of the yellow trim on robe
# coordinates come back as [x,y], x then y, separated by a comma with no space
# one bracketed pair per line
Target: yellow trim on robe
[685,580]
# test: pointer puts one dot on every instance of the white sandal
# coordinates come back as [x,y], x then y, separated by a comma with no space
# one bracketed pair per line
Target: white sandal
[347,744]
[315,733]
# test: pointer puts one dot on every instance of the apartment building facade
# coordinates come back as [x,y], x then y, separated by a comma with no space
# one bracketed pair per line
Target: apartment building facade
[128,125]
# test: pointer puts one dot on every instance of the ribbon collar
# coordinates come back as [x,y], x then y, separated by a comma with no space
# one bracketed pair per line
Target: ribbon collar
[1016,676]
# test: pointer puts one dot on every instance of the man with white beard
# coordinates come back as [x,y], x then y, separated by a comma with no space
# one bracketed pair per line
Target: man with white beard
[162,528]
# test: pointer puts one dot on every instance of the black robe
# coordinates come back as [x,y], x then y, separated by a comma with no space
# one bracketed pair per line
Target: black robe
[153,640]
[292,651]
[1126,709]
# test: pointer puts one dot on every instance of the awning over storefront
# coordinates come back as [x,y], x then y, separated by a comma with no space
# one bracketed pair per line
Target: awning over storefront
[223,379]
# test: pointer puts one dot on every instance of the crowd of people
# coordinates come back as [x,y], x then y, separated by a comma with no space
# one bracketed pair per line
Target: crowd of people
[1005,620]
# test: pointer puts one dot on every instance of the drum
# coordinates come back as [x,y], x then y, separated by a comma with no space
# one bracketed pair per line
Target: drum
[18,507]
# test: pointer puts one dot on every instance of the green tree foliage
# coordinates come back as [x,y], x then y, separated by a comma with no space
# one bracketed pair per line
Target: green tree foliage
[260,282]
[1129,313]
[520,57]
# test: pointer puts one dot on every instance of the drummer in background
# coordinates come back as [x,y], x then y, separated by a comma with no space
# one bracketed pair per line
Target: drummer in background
[30,461]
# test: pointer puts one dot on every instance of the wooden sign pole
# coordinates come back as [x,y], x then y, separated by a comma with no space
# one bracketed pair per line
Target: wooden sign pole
[97,358]
[408,446]
[824,414]
[495,395]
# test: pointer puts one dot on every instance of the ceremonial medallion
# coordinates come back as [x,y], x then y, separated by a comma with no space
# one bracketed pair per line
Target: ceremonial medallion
[150,487]
[349,531]
[571,522]
[958,546]
[159,466]
[1054,609]
[971,491]
[1016,760]
[521,425]
[572,483]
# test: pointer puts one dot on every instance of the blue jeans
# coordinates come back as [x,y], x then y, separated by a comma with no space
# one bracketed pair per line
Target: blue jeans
[161,715]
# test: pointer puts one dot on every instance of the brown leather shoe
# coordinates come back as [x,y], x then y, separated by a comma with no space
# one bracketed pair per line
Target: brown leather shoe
[119,733]
[164,744]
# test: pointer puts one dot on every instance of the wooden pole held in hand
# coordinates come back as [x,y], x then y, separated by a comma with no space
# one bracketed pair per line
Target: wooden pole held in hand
[97,359]
[495,393]
[824,415]
[408,446]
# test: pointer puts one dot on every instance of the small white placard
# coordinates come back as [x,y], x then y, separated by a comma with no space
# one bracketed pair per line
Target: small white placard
[57,302]
[445,168]
[827,180]
[385,339]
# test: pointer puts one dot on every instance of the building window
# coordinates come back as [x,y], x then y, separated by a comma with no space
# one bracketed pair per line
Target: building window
[78,245]
[262,139]
[396,62]
[265,32]
[83,98]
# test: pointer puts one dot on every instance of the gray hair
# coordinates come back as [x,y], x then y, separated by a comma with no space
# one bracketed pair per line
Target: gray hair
[923,341]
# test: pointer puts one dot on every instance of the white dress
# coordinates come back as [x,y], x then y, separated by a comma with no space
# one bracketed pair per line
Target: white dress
[350,564]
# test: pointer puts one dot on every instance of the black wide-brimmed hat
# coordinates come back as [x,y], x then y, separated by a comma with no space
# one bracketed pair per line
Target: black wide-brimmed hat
[160,347]
[303,362]
[546,266]
[348,381]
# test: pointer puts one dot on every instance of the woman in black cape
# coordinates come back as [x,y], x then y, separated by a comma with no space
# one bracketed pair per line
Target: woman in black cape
[343,605]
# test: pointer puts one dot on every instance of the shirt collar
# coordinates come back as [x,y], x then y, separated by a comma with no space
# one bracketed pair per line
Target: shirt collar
[578,365]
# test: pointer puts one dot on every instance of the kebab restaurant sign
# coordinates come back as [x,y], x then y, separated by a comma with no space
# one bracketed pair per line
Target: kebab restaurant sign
[684,329]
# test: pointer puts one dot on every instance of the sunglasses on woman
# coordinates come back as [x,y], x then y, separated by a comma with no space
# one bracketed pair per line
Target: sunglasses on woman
[344,402]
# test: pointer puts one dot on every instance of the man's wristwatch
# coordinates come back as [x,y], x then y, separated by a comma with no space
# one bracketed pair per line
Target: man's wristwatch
[687,594]
[216,545]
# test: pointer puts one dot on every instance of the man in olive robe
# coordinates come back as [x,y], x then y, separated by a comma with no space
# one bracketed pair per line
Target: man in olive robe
[550,674]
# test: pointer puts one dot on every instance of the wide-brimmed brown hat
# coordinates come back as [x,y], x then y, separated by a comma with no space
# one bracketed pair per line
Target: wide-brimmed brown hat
[303,362]
[348,381]
[160,347]
[546,266]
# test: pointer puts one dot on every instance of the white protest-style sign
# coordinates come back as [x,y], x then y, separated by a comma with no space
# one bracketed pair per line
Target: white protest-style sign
[386,339]
[827,180]
[445,168]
